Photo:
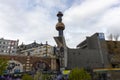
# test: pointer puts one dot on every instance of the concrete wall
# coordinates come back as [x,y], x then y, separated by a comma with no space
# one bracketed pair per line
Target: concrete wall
[84,58]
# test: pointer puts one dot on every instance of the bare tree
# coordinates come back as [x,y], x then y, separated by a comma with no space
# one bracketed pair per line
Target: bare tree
[116,37]
[110,37]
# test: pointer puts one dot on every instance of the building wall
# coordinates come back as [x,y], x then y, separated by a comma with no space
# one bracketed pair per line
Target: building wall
[29,63]
[92,42]
[43,51]
[40,51]
[8,46]
[86,58]
[94,54]
[82,58]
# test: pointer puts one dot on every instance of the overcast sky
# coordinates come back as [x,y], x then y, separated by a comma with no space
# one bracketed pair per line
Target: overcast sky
[29,20]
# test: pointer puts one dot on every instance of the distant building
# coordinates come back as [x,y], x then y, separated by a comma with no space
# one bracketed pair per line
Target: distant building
[35,49]
[8,46]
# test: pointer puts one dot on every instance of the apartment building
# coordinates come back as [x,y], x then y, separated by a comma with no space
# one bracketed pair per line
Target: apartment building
[8,46]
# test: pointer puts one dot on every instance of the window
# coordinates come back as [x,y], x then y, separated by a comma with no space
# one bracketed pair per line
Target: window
[13,43]
[6,42]
[44,54]
[9,43]
[3,46]
[8,46]
[7,51]
[13,51]
[17,64]
[1,50]
[4,51]
[12,47]
[3,42]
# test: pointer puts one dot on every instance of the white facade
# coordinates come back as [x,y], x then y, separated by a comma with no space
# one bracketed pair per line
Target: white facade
[41,51]
[8,46]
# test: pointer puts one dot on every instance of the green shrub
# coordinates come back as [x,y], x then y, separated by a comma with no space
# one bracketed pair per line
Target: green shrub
[79,74]
[3,65]
[27,77]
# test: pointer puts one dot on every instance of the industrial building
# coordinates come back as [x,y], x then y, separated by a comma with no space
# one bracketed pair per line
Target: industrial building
[94,53]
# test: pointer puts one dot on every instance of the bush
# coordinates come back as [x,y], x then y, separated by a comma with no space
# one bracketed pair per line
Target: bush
[79,74]
[27,77]
[38,75]
[45,77]
[3,65]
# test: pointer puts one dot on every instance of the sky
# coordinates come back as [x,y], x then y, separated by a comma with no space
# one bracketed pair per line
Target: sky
[35,20]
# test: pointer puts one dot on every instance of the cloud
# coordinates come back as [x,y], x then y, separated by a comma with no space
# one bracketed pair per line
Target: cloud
[30,20]
[91,16]
[111,19]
